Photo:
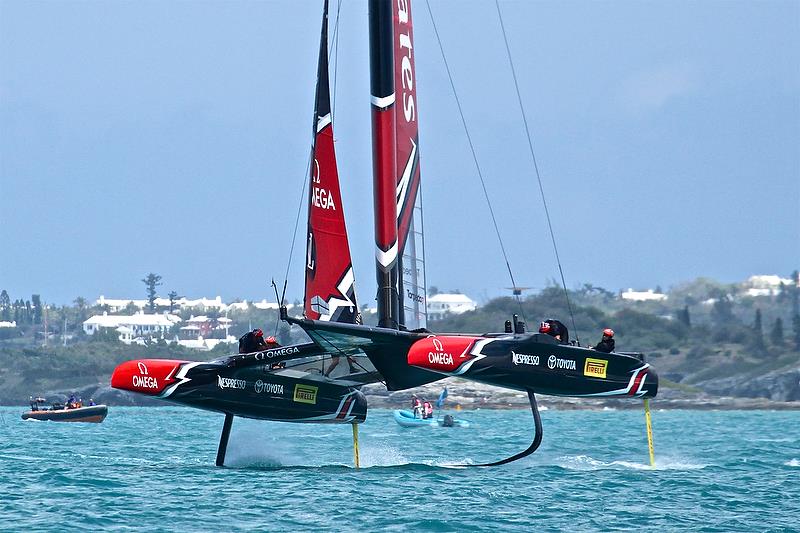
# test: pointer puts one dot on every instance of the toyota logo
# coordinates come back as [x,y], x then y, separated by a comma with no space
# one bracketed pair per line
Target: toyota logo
[142,368]
[551,362]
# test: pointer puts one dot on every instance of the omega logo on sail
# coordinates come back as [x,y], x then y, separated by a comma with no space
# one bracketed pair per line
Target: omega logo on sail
[320,197]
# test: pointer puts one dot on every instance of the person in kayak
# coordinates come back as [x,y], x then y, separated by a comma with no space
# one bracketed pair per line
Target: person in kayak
[606,344]
[555,329]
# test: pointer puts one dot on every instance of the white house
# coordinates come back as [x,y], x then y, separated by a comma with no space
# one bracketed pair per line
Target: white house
[765,285]
[11,324]
[442,304]
[130,327]
[643,296]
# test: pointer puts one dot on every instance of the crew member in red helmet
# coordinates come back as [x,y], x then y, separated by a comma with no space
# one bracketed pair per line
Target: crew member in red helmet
[555,329]
[606,344]
[253,341]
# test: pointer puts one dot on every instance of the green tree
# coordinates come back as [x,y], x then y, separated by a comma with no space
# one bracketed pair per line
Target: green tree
[151,282]
[5,306]
[757,340]
[722,310]
[173,297]
[776,335]
[796,331]
[683,316]
[80,308]
[36,301]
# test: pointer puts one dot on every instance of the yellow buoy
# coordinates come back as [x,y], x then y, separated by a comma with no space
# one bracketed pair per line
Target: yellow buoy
[649,432]
[355,445]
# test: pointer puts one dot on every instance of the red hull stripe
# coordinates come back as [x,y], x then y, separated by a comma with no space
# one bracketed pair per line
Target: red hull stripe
[637,382]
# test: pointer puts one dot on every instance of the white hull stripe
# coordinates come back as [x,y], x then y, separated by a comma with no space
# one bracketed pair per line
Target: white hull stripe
[383,103]
[181,377]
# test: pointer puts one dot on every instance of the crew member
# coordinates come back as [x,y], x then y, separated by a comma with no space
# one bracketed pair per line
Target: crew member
[606,344]
[555,329]
[427,409]
[253,341]
[416,406]
[335,362]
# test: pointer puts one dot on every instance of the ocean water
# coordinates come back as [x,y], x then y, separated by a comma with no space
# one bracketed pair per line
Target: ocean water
[147,469]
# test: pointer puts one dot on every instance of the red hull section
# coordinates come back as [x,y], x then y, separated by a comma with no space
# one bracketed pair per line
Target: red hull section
[146,376]
[442,354]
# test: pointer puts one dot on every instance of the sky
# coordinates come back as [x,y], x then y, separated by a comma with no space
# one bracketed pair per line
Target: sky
[173,136]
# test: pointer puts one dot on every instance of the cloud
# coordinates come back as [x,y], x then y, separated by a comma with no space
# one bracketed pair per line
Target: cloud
[652,89]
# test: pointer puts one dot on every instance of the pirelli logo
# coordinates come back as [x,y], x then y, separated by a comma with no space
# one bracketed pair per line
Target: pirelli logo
[595,368]
[305,394]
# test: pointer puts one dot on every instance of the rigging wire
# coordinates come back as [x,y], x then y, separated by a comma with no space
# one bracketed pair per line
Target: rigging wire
[536,168]
[474,157]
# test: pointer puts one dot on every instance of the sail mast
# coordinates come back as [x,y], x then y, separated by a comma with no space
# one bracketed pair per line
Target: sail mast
[384,159]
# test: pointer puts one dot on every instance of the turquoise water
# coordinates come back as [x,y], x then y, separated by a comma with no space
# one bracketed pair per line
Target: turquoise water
[152,469]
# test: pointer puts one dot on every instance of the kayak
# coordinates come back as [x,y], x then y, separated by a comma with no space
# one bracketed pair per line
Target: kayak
[91,413]
[407,420]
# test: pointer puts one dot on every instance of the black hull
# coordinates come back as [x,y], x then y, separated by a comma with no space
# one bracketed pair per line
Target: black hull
[536,365]
[246,387]
[94,413]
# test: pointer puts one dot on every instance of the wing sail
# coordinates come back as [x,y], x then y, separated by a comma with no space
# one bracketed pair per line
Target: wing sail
[409,200]
[330,284]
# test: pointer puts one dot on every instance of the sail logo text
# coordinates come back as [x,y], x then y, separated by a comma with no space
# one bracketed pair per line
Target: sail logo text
[524,359]
[406,66]
[322,198]
[595,368]
[269,388]
[230,383]
[561,364]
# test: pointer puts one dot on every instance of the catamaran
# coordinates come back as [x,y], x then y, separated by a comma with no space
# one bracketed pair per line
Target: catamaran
[399,352]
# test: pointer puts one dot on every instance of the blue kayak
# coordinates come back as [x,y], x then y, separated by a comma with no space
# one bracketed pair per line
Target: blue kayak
[407,420]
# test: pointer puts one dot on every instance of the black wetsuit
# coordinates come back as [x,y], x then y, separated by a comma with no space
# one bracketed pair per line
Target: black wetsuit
[249,343]
[605,345]
[557,328]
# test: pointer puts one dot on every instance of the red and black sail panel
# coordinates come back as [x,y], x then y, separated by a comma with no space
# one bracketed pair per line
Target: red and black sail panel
[409,205]
[330,287]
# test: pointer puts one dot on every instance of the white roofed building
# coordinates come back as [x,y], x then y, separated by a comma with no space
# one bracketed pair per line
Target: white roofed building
[442,304]
[130,327]
[765,285]
[643,296]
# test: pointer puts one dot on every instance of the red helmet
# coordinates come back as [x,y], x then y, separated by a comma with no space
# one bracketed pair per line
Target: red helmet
[258,333]
[271,340]
[544,327]
[608,332]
